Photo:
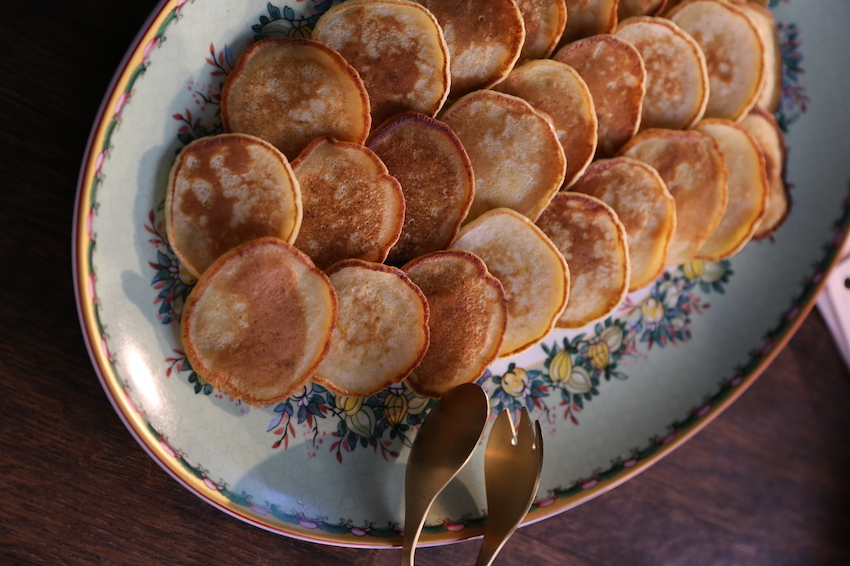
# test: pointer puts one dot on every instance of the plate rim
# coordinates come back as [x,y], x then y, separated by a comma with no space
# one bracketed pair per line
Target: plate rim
[83,279]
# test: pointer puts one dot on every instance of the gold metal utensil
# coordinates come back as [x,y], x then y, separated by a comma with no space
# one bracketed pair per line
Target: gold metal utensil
[512,466]
[442,447]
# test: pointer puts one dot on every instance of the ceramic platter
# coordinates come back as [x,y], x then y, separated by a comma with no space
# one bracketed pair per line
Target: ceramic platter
[612,399]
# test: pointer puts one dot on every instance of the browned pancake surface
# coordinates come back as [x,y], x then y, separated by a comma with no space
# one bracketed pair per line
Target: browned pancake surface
[632,8]
[397,47]
[353,208]
[292,91]
[468,314]
[589,17]
[695,174]
[762,125]
[436,176]
[515,153]
[485,38]
[259,321]
[614,73]
[560,92]
[545,21]
[593,242]
[225,190]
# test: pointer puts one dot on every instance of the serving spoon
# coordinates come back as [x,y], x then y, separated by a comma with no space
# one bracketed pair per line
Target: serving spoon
[445,443]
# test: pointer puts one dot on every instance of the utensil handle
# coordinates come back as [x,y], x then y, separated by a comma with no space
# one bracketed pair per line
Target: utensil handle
[489,549]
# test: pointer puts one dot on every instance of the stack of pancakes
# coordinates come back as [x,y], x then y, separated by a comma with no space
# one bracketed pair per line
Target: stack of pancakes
[419,189]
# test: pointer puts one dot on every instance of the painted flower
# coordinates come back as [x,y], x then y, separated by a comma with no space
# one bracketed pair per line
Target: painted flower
[561,367]
[516,383]
[714,271]
[362,423]
[613,336]
[694,268]
[348,405]
[579,382]
[395,407]
[598,355]
[415,403]
[303,32]
[652,310]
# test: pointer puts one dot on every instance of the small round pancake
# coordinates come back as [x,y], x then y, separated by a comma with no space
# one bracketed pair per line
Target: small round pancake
[748,188]
[485,38]
[353,208]
[468,316]
[225,190]
[532,271]
[762,125]
[632,8]
[514,149]
[397,47]
[259,321]
[676,73]
[771,92]
[544,25]
[734,53]
[586,18]
[593,242]
[643,204]
[381,332]
[436,177]
[559,91]
[292,91]
[695,173]
[614,72]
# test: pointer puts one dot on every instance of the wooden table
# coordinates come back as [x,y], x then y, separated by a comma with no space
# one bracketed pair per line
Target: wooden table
[766,483]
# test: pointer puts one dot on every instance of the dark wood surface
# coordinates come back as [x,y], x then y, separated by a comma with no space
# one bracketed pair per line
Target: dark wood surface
[766,483]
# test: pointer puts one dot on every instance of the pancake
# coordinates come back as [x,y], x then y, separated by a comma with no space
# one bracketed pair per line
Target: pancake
[589,17]
[734,54]
[485,38]
[532,271]
[544,24]
[632,8]
[435,173]
[593,242]
[353,208]
[515,153]
[676,73]
[559,91]
[397,47]
[695,173]
[614,73]
[771,92]
[748,188]
[381,333]
[468,314]
[225,190]
[292,91]
[259,321]
[637,193]
[762,125]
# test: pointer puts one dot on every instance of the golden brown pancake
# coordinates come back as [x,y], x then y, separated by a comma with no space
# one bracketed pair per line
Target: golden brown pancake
[485,38]
[397,47]
[559,91]
[632,8]
[676,73]
[381,333]
[589,17]
[225,190]
[771,92]
[614,73]
[436,177]
[762,125]
[292,91]
[695,173]
[637,193]
[259,321]
[593,242]
[544,24]
[515,153]
[353,208]
[748,188]
[734,54]
[532,271]
[468,315]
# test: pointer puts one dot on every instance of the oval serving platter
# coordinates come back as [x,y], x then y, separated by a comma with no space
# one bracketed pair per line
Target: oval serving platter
[613,398]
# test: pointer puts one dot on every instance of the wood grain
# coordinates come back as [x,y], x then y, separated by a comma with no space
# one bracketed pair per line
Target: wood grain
[766,483]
